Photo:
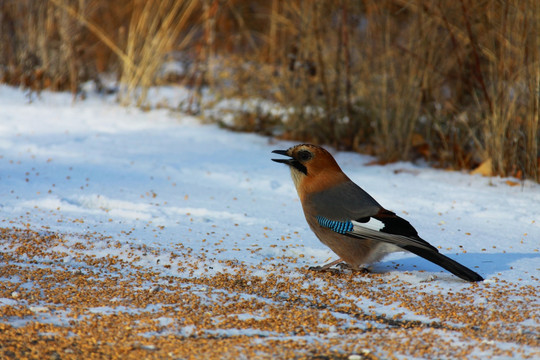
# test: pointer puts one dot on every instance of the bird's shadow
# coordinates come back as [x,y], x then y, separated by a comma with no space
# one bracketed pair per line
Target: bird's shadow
[486,264]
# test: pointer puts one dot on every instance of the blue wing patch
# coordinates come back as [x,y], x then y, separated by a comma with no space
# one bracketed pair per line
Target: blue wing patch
[341,227]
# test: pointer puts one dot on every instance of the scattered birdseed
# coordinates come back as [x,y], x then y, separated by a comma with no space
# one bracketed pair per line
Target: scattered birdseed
[121,308]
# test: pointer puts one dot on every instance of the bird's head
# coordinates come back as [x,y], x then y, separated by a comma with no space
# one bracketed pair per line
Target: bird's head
[311,166]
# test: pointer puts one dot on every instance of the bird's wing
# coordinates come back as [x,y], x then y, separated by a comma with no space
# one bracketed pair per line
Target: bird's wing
[390,228]
[348,206]
[345,201]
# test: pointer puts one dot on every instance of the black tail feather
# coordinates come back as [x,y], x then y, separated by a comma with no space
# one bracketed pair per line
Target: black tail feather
[445,262]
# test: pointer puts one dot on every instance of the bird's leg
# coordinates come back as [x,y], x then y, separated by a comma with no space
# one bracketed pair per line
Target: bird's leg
[325,267]
[360,269]
[345,266]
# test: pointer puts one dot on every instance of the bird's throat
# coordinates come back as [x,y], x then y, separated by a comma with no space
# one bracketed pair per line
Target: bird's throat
[297,177]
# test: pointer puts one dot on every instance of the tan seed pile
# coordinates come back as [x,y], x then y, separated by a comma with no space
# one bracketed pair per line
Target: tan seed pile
[60,300]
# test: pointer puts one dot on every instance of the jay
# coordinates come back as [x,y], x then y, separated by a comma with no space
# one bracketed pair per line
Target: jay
[348,220]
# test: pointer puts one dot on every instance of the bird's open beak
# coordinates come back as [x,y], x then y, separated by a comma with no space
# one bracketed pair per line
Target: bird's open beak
[283,161]
[292,162]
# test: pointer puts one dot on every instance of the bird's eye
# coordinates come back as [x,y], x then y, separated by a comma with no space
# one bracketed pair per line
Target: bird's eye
[304,155]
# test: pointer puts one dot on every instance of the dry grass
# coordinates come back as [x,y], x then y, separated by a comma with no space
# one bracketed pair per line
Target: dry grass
[154,30]
[455,83]
[42,48]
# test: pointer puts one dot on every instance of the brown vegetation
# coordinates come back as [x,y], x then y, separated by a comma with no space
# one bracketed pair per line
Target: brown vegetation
[456,83]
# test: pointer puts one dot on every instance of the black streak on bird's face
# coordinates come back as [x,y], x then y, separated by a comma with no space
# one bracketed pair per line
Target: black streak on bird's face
[294,162]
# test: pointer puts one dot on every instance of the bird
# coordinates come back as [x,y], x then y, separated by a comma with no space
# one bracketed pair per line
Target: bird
[351,222]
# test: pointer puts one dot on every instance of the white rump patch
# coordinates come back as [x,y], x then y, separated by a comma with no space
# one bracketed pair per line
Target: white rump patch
[372,224]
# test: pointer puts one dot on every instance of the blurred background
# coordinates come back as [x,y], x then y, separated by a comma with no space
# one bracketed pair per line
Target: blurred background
[453,83]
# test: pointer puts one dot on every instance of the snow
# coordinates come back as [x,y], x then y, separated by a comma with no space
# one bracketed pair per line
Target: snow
[164,180]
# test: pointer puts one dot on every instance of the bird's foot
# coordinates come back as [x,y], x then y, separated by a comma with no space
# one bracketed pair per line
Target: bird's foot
[326,267]
[341,265]
[358,270]
[345,266]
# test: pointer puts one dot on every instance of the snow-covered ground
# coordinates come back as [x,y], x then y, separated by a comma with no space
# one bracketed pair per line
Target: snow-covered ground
[95,172]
